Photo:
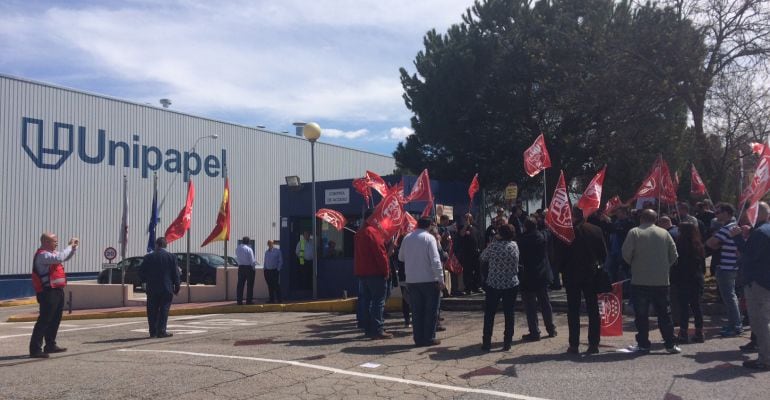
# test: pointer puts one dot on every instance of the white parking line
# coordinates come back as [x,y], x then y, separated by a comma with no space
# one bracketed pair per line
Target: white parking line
[102,326]
[346,372]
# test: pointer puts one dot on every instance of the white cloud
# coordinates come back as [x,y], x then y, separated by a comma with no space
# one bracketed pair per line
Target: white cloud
[400,133]
[336,133]
[330,60]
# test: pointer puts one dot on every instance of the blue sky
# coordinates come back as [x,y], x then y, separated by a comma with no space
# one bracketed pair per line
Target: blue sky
[250,62]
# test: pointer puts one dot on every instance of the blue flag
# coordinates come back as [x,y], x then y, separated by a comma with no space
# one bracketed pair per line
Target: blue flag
[153,217]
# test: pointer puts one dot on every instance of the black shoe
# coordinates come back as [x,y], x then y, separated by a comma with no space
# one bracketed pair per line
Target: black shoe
[698,338]
[249,302]
[434,342]
[164,335]
[592,350]
[507,345]
[573,350]
[682,339]
[553,333]
[530,337]
[750,347]
[440,328]
[54,349]
[486,346]
[38,355]
[240,303]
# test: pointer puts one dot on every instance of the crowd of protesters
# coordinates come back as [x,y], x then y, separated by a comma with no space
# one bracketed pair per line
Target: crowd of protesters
[661,260]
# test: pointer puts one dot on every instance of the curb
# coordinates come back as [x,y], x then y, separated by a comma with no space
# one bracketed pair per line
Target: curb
[18,302]
[334,306]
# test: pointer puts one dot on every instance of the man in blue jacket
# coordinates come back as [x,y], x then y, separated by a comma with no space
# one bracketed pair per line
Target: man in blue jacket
[755,253]
[160,271]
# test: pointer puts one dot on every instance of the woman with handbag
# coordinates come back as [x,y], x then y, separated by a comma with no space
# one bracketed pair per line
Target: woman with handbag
[501,261]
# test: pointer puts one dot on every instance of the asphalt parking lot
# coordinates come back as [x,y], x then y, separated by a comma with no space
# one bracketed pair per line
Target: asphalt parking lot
[322,356]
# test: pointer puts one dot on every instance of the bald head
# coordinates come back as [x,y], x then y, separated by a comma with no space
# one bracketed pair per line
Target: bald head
[648,216]
[49,241]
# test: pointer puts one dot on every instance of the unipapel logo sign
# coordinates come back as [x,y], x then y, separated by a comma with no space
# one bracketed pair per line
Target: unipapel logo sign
[50,151]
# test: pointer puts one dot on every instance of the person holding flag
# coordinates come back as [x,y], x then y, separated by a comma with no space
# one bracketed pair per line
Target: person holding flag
[371,266]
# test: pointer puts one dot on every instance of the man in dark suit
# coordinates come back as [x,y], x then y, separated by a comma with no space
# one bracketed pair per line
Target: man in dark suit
[160,272]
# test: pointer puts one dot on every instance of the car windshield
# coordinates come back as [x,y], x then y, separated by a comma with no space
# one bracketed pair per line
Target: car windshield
[213,259]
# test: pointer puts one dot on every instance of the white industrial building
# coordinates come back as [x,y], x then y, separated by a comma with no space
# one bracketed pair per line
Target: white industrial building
[65,152]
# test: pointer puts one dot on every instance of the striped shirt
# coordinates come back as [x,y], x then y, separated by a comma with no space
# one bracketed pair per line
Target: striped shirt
[728,252]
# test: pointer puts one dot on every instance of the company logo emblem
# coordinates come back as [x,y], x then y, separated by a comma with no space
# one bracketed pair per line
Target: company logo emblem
[609,308]
[47,154]
[50,152]
[562,215]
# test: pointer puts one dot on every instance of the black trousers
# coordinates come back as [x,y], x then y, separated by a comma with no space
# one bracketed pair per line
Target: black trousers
[51,303]
[574,293]
[158,305]
[471,273]
[531,300]
[273,284]
[659,297]
[246,275]
[689,298]
[492,299]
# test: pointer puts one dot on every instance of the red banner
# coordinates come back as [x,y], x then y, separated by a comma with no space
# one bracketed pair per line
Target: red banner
[612,204]
[559,216]
[376,182]
[474,187]
[361,186]
[181,224]
[759,148]
[668,190]
[611,311]
[536,157]
[591,199]
[332,217]
[759,185]
[697,187]
[421,189]
[389,215]
[409,224]
[658,184]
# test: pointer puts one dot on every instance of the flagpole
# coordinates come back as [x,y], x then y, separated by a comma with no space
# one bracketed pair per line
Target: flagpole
[545,192]
[227,280]
[660,181]
[187,258]
[124,239]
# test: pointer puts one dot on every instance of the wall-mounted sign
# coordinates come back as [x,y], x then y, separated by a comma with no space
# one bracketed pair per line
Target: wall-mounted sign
[337,196]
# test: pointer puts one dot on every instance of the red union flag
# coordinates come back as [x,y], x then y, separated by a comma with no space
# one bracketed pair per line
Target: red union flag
[333,218]
[409,224]
[389,215]
[474,187]
[612,204]
[760,184]
[421,188]
[376,182]
[181,224]
[697,187]
[536,157]
[592,197]
[559,216]
[658,183]
[362,187]
[667,188]
[759,148]
[611,311]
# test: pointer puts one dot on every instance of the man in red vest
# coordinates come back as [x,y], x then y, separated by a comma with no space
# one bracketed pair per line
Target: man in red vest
[48,280]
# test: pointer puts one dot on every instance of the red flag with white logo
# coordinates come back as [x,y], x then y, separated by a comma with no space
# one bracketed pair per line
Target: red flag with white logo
[421,189]
[611,311]
[389,215]
[181,224]
[376,182]
[697,187]
[536,157]
[591,199]
[409,224]
[759,185]
[332,217]
[474,187]
[612,204]
[667,187]
[559,216]
[361,186]
[759,149]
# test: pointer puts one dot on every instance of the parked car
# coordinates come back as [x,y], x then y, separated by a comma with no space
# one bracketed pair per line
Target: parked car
[203,267]
[131,265]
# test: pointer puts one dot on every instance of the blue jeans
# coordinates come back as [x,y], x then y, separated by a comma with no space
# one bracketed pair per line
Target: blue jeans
[374,304]
[726,282]
[360,305]
[424,300]
[659,297]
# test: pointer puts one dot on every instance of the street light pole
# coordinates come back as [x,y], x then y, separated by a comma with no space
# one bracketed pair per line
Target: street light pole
[312,132]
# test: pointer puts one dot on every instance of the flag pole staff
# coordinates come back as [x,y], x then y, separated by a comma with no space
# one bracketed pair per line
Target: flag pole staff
[660,180]
[124,239]
[545,191]
[227,235]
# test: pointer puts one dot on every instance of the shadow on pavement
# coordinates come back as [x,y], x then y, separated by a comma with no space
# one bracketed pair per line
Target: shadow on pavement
[718,373]
[10,358]
[704,357]
[602,357]
[120,340]
[378,350]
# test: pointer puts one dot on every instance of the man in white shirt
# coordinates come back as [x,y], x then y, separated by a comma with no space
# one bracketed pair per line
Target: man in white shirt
[425,280]
[246,263]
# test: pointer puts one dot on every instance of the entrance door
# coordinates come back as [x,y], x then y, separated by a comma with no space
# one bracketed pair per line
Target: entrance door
[301,277]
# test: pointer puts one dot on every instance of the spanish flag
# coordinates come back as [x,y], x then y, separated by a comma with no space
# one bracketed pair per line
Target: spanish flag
[222,228]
